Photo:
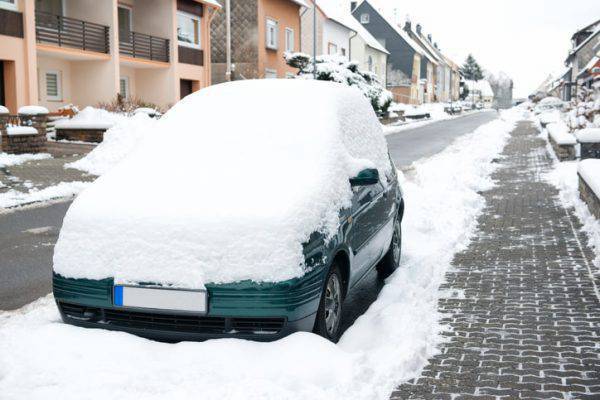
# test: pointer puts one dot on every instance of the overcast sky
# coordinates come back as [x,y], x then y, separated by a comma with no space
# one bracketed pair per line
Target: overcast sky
[527,39]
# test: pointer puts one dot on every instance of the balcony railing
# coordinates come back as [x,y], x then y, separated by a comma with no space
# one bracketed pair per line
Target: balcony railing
[140,45]
[71,32]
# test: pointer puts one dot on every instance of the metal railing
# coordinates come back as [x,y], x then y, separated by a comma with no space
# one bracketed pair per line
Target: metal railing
[71,32]
[140,45]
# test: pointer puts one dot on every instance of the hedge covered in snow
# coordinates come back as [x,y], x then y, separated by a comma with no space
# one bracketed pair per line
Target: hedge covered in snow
[337,69]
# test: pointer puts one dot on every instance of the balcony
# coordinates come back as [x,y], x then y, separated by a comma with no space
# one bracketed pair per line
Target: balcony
[140,45]
[71,32]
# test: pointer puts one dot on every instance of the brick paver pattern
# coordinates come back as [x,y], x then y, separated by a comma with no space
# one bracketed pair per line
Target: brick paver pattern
[528,325]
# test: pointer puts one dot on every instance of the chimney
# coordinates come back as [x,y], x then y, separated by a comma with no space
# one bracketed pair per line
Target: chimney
[429,37]
[419,29]
[353,6]
[407,25]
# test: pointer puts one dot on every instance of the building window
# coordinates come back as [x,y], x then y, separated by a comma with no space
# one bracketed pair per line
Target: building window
[364,18]
[188,30]
[124,87]
[272,29]
[343,52]
[8,4]
[125,17]
[332,49]
[270,74]
[289,40]
[53,86]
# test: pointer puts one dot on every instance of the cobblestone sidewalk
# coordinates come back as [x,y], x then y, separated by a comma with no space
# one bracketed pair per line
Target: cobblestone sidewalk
[528,325]
[40,174]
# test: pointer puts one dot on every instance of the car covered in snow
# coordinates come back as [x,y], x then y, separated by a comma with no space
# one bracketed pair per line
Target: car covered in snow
[251,210]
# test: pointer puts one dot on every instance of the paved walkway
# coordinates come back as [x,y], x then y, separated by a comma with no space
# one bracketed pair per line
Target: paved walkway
[529,323]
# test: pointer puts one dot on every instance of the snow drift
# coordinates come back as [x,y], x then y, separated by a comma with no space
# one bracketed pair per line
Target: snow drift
[213,198]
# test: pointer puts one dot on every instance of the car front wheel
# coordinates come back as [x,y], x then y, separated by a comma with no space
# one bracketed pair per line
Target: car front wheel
[329,314]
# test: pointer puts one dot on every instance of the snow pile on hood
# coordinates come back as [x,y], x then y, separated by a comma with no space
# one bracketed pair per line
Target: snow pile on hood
[90,118]
[44,358]
[216,197]
[118,142]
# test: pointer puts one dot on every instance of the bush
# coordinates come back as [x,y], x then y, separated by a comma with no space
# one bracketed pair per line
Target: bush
[127,105]
[337,69]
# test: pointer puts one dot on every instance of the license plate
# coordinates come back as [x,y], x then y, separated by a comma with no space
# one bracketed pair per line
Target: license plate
[161,299]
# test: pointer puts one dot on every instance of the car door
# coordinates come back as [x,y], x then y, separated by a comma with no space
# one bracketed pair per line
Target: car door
[367,206]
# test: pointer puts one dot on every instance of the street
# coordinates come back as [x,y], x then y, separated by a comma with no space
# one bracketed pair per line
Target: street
[27,236]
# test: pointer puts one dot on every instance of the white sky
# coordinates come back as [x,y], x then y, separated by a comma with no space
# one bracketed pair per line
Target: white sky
[527,39]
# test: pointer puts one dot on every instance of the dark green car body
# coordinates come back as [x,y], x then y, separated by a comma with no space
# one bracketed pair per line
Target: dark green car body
[259,311]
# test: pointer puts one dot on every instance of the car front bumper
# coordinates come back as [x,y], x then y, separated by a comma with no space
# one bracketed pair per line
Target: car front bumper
[242,310]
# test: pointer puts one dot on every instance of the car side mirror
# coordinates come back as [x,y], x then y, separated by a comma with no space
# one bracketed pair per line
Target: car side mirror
[368,176]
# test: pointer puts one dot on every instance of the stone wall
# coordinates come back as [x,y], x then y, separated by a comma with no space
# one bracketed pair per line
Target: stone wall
[590,150]
[20,144]
[589,197]
[564,152]
[81,135]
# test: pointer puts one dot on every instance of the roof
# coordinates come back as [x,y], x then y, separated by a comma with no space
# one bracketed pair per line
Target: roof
[398,30]
[333,12]
[367,37]
[585,28]
[576,49]
[430,55]
[301,3]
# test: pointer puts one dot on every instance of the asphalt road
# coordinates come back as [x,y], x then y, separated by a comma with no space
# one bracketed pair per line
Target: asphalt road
[27,236]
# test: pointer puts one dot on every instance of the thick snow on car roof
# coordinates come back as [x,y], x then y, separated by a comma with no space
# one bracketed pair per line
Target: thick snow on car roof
[231,183]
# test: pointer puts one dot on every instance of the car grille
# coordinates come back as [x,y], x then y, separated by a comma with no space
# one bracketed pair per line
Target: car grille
[173,322]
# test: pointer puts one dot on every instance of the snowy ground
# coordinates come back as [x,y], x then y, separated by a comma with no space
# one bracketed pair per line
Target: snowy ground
[43,358]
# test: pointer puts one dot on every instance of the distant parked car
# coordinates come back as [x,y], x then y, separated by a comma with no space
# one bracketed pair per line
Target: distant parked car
[248,225]
[548,104]
[466,105]
[479,106]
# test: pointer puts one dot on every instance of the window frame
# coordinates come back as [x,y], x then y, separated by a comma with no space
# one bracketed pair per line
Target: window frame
[130,11]
[127,87]
[287,42]
[275,23]
[271,71]
[331,46]
[364,20]
[59,89]
[14,6]
[196,18]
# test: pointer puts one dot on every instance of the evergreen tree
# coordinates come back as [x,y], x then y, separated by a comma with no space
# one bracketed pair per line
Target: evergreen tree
[471,70]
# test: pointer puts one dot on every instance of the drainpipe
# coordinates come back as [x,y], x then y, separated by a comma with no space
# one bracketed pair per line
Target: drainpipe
[228,46]
[350,45]
[314,39]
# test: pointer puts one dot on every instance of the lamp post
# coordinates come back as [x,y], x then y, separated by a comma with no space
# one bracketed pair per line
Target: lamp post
[314,61]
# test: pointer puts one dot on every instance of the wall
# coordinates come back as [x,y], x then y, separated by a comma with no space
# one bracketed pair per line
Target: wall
[336,34]
[360,53]
[12,52]
[306,43]
[64,67]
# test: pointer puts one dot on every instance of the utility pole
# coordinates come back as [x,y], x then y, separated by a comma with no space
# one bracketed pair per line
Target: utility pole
[314,39]
[228,34]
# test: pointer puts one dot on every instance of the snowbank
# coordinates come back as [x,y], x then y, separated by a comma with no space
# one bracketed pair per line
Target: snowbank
[7,160]
[564,177]
[118,142]
[21,130]
[389,344]
[4,110]
[90,118]
[549,117]
[32,110]
[239,188]
[588,135]
[14,198]
[559,132]
[590,172]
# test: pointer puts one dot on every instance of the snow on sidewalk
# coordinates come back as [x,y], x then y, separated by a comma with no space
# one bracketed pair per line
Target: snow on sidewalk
[43,358]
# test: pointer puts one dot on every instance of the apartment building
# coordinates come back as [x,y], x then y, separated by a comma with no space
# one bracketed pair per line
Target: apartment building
[55,52]
[262,31]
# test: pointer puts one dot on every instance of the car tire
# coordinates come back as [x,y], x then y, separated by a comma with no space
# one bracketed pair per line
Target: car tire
[391,260]
[329,315]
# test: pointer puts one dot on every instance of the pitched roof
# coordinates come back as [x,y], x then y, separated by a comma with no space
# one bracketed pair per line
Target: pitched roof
[332,11]
[398,30]
[576,49]
[428,54]
[586,28]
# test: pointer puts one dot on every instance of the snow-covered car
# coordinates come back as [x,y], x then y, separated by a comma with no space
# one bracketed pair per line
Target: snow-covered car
[548,104]
[479,106]
[251,210]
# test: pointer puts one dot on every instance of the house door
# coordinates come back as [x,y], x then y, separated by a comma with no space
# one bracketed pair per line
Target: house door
[2,96]
[185,87]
